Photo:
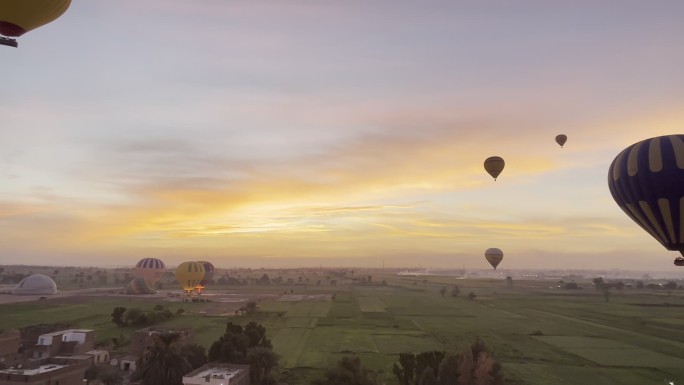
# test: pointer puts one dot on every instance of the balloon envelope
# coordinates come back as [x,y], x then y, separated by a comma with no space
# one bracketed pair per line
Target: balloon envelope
[561,139]
[151,269]
[208,273]
[494,165]
[20,16]
[139,285]
[647,181]
[189,274]
[494,256]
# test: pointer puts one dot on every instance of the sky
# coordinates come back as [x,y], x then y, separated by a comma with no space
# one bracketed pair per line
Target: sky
[333,133]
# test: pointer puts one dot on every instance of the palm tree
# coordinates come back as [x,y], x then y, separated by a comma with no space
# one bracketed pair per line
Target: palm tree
[163,363]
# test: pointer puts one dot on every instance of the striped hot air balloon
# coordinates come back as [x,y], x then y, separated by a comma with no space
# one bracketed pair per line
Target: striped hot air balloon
[189,274]
[151,269]
[647,181]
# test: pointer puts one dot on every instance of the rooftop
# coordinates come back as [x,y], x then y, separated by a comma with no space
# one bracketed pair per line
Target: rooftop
[34,371]
[217,371]
[67,331]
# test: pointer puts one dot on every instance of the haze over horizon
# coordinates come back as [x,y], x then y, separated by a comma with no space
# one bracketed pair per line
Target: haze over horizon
[333,133]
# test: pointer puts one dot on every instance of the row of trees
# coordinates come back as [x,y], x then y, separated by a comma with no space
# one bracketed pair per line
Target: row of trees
[456,291]
[138,317]
[473,366]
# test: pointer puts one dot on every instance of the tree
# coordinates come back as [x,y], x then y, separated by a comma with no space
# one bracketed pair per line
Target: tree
[348,371]
[232,346]
[640,284]
[471,296]
[118,316]
[598,283]
[405,371]
[109,375]
[133,316]
[412,366]
[195,354]
[247,345]
[163,363]
[473,366]
[261,360]
[428,377]
[90,373]
[455,291]
[442,291]
[447,373]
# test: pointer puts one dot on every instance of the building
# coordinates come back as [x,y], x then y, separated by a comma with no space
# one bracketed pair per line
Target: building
[10,341]
[143,339]
[99,356]
[218,374]
[64,342]
[54,372]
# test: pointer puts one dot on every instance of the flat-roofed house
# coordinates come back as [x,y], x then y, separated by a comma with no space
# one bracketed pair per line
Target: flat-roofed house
[53,373]
[64,342]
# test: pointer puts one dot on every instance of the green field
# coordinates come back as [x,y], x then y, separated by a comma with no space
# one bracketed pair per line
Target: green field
[539,335]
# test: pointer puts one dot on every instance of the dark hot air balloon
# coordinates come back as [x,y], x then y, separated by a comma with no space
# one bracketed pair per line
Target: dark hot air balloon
[647,181]
[208,276]
[561,139]
[494,165]
[494,256]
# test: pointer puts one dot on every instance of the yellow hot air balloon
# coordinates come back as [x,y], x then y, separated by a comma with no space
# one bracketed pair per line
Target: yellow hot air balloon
[189,275]
[561,139]
[494,165]
[494,256]
[20,16]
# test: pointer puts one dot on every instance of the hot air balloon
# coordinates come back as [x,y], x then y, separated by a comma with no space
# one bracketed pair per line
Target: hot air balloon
[647,181]
[494,165]
[494,256]
[189,274]
[151,269]
[561,139]
[20,16]
[208,275]
[139,285]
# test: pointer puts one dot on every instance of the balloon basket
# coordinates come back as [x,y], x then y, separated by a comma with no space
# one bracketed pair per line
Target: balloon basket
[8,42]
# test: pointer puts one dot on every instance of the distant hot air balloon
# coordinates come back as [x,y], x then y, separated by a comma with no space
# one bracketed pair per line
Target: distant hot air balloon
[20,16]
[494,256]
[189,274]
[561,139]
[494,165]
[208,275]
[647,181]
[151,269]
